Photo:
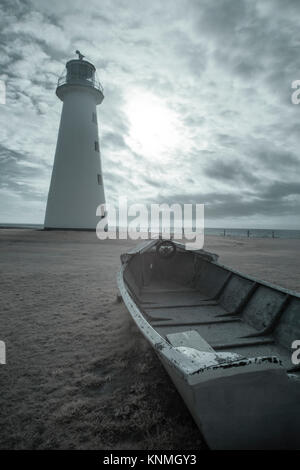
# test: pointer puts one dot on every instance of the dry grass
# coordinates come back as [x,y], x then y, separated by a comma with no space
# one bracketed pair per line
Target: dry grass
[79,374]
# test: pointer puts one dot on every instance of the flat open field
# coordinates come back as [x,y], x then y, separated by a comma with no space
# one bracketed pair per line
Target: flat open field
[78,374]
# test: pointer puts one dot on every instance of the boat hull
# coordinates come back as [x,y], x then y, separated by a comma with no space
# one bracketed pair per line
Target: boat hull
[238,402]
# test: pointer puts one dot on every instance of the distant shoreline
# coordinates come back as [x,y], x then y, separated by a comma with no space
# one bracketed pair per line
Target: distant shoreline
[219,232]
[21,226]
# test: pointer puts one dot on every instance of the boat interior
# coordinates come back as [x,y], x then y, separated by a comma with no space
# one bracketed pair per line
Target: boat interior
[190,294]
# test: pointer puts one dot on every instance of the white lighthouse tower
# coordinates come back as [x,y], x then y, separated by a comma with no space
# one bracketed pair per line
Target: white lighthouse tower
[76,187]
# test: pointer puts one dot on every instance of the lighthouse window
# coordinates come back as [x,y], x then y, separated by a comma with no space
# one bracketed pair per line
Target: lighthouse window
[99,178]
[94,118]
[96,146]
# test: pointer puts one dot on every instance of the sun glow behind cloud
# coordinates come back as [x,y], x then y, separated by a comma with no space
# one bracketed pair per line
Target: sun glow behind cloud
[154,128]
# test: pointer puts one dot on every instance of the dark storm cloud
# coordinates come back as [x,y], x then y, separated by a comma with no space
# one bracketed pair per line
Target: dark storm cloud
[251,171]
[111,139]
[257,40]
[270,201]
[279,190]
[221,18]
[233,171]
[16,8]
[152,182]
[17,174]
[278,159]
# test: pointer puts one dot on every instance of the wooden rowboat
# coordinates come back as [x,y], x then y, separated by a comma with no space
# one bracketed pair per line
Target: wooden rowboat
[224,338]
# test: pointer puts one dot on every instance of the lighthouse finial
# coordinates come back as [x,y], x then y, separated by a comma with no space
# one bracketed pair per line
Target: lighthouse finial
[80,56]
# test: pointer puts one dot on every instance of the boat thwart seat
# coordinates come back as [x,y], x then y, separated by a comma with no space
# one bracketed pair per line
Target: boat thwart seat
[191,339]
[191,344]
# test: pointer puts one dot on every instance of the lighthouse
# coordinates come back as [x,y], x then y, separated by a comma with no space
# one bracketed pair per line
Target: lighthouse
[76,187]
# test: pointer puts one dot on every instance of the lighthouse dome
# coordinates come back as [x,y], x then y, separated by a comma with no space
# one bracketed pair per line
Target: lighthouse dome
[79,72]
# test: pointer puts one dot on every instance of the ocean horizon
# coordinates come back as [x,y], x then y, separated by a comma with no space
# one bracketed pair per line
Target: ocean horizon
[217,231]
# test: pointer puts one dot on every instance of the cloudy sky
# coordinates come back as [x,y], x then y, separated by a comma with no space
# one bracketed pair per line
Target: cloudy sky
[197,103]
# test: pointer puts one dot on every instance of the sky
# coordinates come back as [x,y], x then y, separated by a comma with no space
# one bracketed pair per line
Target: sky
[197,104]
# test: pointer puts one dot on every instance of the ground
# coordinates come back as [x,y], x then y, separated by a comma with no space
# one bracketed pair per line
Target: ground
[79,375]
